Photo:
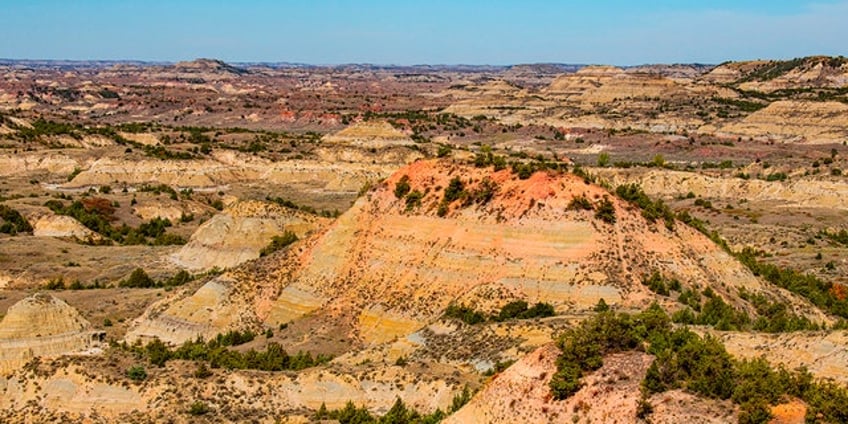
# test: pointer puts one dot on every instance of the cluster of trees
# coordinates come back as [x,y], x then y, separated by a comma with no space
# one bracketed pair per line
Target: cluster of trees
[456,190]
[404,190]
[828,296]
[45,128]
[714,312]
[684,360]
[518,309]
[59,283]
[772,317]
[140,280]
[523,169]
[399,413]
[308,209]
[42,127]
[776,317]
[97,214]
[831,297]
[137,279]
[12,222]
[840,237]
[217,353]
[163,153]
[159,189]
[661,285]
[651,210]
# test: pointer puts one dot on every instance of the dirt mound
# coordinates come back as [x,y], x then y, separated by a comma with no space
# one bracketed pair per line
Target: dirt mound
[238,234]
[390,265]
[42,325]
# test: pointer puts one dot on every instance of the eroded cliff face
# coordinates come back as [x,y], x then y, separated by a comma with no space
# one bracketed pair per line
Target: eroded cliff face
[793,121]
[391,265]
[799,192]
[95,390]
[55,163]
[42,326]
[239,233]
[230,168]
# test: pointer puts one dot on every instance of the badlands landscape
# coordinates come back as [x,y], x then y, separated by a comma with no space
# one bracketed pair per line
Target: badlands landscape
[252,242]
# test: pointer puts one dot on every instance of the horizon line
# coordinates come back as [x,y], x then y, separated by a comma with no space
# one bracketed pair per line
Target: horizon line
[295,63]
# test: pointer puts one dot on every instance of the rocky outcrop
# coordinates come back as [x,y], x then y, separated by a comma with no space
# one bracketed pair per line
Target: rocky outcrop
[387,267]
[42,325]
[62,226]
[238,234]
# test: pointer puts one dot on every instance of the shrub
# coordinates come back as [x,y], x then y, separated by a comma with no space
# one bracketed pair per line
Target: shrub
[659,284]
[443,209]
[777,176]
[601,306]
[202,371]
[199,408]
[484,192]
[413,199]
[444,151]
[57,283]
[455,190]
[137,373]
[579,203]
[651,210]
[519,310]
[464,313]
[12,222]
[279,243]
[402,187]
[138,279]
[605,211]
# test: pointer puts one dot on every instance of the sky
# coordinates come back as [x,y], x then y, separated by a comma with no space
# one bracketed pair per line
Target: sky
[495,32]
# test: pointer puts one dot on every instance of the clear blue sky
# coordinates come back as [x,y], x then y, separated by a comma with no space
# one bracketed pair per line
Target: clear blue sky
[621,32]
